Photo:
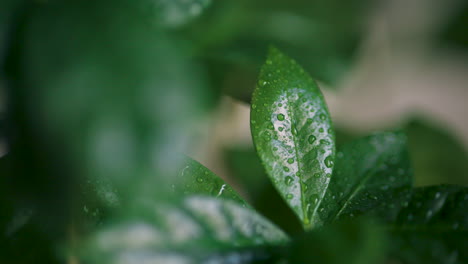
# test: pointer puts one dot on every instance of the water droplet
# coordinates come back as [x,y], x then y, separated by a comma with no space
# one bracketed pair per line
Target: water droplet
[288,180]
[329,161]
[280,129]
[323,116]
[437,195]
[280,117]
[328,175]
[311,139]
[290,160]
[321,130]
[317,175]
[294,131]
[309,121]
[314,198]
[289,196]
[270,126]
[298,174]
[286,169]
[254,106]
[199,179]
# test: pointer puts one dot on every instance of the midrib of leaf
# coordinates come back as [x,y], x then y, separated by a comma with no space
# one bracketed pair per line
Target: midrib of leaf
[356,190]
[301,184]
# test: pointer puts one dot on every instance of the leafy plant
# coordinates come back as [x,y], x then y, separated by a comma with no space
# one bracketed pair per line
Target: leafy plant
[329,190]
[97,114]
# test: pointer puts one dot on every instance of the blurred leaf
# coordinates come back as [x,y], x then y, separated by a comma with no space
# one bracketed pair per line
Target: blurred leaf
[197,230]
[109,95]
[357,242]
[431,227]
[323,34]
[453,33]
[100,104]
[292,133]
[175,13]
[194,178]
[368,173]
[437,157]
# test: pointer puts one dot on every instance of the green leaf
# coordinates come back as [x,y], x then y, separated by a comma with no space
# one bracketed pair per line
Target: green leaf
[176,13]
[368,173]
[197,230]
[293,135]
[246,167]
[355,242]
[437,156]
[194,178]
[110,104]
[431,226]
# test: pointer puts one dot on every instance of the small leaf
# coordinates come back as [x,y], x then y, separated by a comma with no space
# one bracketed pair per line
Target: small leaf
[194,178]
[369,172]
[292,132]
[196,230]
[431,226]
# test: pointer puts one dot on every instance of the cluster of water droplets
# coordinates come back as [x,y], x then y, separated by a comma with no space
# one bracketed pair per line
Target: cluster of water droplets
[296,133]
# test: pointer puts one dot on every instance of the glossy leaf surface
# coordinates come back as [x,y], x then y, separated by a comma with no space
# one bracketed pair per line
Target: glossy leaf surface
[431,226]
[368,173]
[292,132]
[196,230]
[194,178]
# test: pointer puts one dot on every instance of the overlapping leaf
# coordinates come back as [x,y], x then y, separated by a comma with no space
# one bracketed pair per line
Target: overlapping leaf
[292,132]
[197,230]
[194,178]
[430,225]
[368,173]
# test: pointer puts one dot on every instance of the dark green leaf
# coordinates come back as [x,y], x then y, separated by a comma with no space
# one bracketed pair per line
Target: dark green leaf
[292,132]
[368,173]
[107,96]
[437,156]
[357,242]
[197,230]
[194,178]
[431,226]
[176,13]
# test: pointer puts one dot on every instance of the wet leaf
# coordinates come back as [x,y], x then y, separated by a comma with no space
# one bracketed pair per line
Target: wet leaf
[194,178]
[431,226]
[291,129]
[196,230]
[368,173]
